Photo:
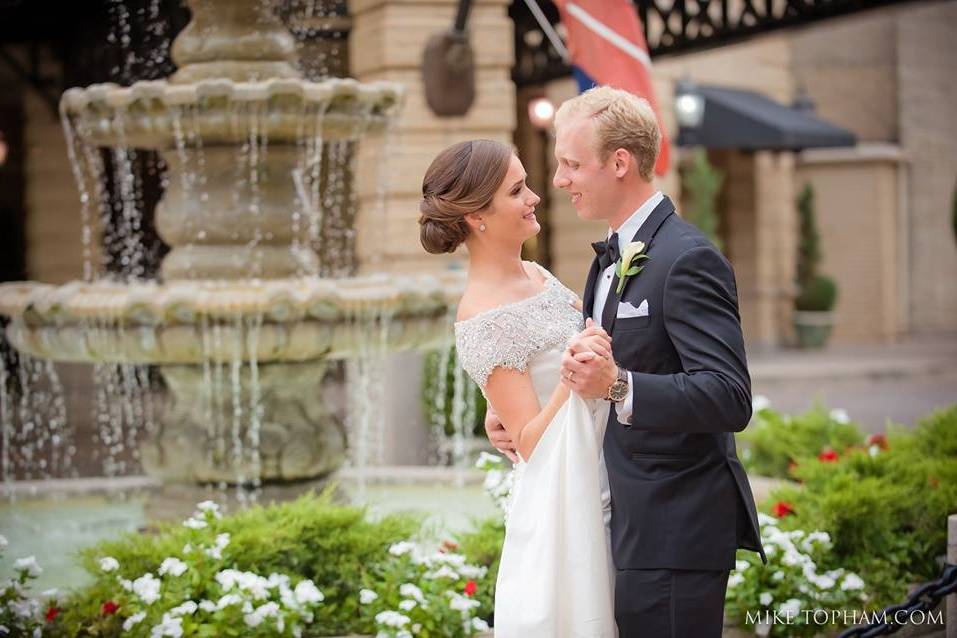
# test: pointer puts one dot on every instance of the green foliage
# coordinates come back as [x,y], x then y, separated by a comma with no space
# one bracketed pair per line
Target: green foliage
[438,394]
[819,294]
[801,576]
[809,250]
[335,546]
[427,589]
[772,442]
[886,510]
[702,183]
[815,292]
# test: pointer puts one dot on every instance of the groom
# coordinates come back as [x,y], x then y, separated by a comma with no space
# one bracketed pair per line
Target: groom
[681,502]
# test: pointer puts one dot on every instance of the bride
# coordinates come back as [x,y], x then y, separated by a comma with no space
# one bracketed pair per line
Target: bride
[514,321]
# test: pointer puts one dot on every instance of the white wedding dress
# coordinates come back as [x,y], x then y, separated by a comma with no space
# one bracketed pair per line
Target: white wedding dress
[555,578]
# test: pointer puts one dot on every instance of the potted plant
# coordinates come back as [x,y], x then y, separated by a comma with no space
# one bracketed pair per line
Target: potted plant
[817,293]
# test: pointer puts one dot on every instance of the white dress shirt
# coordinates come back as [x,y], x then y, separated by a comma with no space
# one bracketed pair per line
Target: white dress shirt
[625,234]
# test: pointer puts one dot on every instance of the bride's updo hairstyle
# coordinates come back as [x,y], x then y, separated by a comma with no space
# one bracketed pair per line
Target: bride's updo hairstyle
[462,179]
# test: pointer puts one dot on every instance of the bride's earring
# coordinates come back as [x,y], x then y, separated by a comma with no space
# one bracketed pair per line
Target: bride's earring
[482,228]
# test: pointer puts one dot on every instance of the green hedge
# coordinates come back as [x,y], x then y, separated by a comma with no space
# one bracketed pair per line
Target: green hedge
[885,505]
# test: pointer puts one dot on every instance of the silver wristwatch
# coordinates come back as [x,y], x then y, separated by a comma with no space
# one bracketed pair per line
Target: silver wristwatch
[619,389]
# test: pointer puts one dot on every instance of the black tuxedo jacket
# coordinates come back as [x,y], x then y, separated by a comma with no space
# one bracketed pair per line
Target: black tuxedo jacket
[680,498]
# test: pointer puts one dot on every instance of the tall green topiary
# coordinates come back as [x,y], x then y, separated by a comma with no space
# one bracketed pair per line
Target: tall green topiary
[816,292]
[702,182]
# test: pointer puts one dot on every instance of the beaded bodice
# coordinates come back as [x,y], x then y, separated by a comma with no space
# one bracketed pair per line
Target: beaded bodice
[510,335]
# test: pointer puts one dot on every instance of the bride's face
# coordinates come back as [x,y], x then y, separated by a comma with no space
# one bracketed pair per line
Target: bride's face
[511,215]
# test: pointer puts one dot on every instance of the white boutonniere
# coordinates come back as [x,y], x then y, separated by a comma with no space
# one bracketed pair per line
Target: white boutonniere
[627,265]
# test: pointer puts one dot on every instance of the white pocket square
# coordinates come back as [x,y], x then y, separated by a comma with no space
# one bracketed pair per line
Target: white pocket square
[628,311]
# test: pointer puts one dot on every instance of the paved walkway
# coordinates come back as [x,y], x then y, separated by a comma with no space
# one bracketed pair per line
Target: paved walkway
[901,382]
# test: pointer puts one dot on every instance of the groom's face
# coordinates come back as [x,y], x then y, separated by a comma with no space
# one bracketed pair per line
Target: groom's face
[590,182]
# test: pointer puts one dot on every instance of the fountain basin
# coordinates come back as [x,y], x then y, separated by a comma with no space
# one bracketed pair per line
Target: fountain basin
[273,320]
[158,114]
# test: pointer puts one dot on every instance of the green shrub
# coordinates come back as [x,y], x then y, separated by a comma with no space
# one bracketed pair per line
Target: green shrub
[702,183]
[438,395]
[815,292]
[886,510]
[819,294]
[311,538]
[774,442]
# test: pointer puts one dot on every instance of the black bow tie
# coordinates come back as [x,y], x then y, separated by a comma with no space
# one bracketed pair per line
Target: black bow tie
[607,251]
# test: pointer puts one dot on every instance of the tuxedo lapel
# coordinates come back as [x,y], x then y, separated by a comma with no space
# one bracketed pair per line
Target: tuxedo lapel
[646,233]
[588,300]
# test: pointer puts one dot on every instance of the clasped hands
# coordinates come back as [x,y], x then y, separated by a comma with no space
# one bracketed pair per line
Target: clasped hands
[588,369]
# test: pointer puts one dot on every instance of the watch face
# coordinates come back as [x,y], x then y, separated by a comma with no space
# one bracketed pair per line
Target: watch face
[618,390]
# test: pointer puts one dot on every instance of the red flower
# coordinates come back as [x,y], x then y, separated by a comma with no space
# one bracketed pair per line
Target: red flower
[782,509]
[109,608]
[470,588]
[880,440]
[934,482]
[52,613]
[827,455]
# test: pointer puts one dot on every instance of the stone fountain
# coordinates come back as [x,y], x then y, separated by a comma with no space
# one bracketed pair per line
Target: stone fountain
[240,325]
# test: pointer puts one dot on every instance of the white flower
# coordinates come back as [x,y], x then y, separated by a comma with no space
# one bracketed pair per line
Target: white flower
[222,541]
[479,625]
[268,610]
[443,572]
[133,620]
[765,599]
[25,608]
[3,542]
[398,549]
[741,565]
[307,593]
[189,607]
[790,608]
[228,578]
[462,603]
[169,627]
[487,461]
[207,606]
[147,587]
[194,523]
[187,548]
[874,450]
[109,564]
[777,576]
[407,605]
[227,600]
[411,591]
[839,415]
[208,506]
[392,619]
[735,579]
[367,596]
[403,634]
[852,582]
[760,402]
[172,566]
[28,565]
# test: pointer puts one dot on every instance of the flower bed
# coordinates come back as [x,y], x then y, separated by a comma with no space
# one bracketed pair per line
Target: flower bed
[877,507]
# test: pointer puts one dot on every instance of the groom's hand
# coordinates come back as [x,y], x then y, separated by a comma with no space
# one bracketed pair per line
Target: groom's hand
[588,367]
[498,436]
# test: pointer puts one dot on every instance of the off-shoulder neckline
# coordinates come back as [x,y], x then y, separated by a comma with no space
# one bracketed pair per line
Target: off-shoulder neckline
[549,282]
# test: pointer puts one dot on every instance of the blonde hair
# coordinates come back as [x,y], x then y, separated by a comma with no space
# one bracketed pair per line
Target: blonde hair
[622,120]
